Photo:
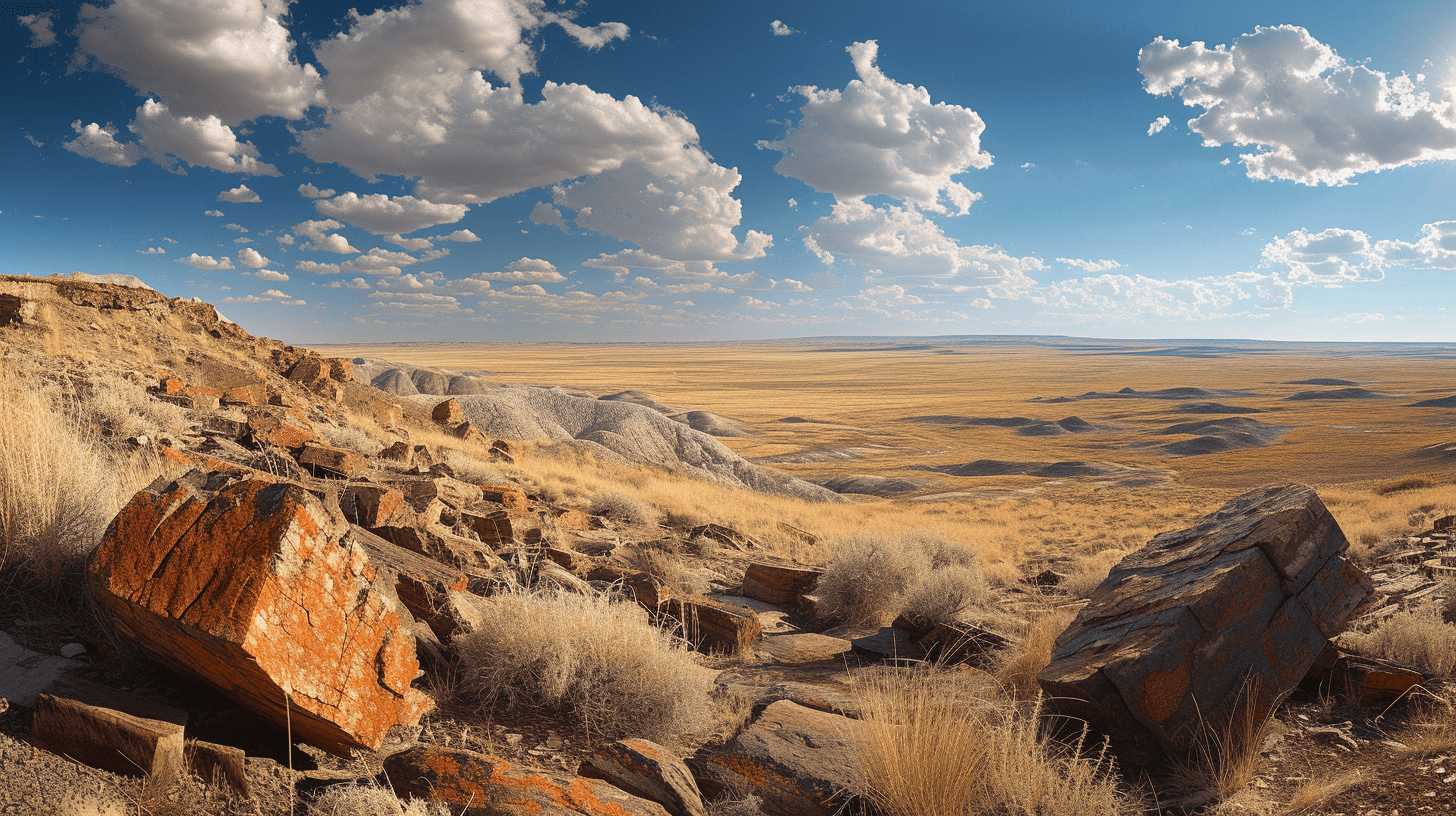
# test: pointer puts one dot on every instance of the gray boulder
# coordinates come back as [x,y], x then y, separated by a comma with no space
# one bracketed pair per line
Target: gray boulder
[1200,623]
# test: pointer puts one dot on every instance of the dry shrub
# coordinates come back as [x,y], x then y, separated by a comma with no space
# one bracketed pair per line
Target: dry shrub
[1415,636]
[1090,571]
[350,437]
[869,578]
[1017,666]
[369,799]
[946,594]
[667,568]
[1402,485]
[598,659]
[59,484]
[943,743]
[471,468]
[1431,729]
[624,508]
[1311,796]
[128,410]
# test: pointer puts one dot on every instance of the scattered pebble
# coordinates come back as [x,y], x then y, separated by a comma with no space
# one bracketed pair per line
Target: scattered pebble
[73,650]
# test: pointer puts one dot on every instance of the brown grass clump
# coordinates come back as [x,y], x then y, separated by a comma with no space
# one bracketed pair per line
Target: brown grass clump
[1017,666]
[1415,636]
[667,568]
[627,509]
[943,743]
[369,799]
[59,483]
[870,577]
[598,659]
[1314,794]
[1402,485]
[1227,755]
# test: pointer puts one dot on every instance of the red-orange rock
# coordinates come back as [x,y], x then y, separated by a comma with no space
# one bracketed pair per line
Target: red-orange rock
[511,496]
[250,394]
[448,413]
[475,784]
[573,520]
[258,589]
[646,769]
[171,385]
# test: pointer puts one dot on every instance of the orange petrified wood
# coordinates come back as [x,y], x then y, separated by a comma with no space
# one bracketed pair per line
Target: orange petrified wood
[258,589]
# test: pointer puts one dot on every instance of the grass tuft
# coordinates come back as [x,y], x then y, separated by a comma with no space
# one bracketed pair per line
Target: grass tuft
[597,659]
[1416,636]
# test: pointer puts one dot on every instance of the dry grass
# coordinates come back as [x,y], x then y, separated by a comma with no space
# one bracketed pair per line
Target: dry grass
[60,484]
[1089,571]
[356,438]
[1227,755]
[1431,729]
[127,410]
[369,799]
[1415,636]
[667,568]
[1369,516]
[944,743]
[598,659]
[1017,666]
[625,509]
[1311,796]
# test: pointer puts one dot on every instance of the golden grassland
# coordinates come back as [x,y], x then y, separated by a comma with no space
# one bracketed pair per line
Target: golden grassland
[1363,455]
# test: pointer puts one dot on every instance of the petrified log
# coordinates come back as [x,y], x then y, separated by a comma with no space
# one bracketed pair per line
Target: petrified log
[1231,612]
[647,770]
[109,729]
[778,584]
[715,627]
[258,589]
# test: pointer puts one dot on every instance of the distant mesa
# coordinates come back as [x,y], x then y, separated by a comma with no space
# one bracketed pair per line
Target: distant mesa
[1337,394]
[1441,402]
[1024,426]
[1180,393]
[867,485]
[834,349]
[1219,435]
[1322,381]
[640,398]
[1216,408]
[799,419]
[712,424]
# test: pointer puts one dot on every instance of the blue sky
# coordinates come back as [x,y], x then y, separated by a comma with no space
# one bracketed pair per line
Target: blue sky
[520,169]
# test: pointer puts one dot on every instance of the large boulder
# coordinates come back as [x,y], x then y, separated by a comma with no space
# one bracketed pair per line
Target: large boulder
[1201,622]
[260,590]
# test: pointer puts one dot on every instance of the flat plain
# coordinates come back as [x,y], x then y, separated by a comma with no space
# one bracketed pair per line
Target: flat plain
[1028,414]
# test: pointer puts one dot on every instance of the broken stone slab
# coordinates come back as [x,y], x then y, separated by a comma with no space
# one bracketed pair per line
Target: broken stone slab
[326,460]
[801,762]
[494,528]
[448,412]
[1230,612]
[371,505]
[716,627]
[889,643]
[724,535]
[258,589]
[505,452]
[804,647]
[474,784]
[109,729]
[646,770]
[509,496]
[778,584]
[1376,681]
[219,763]
[25,673]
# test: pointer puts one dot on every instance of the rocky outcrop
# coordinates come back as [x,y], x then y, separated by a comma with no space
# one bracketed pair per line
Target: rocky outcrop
[646,769]
[474,784]
[1200,622]
[259,589]
[103,728]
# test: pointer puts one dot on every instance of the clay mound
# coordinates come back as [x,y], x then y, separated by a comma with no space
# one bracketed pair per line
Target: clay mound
[627,429]
[1025,426]
[640,398]
[711,424]
[1217,435]
[113,278]
[1441,402]
[1337,394]
[395,381]
[1216,408]
[868,485]
[1322,381]
[429,381]
[1180,393]
[1049,470]
[466,384]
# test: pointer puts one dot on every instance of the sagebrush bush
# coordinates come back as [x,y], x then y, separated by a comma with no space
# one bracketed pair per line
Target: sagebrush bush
[944,743]
[598,659]
[60,485]
[369,799]
[350,437]
[873,579]
[128,410]
[1416,636]
[624,508]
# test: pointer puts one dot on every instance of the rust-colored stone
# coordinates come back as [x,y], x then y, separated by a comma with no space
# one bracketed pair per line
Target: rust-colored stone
[573,520]
[258,589]
[716,627]
[801,762]
[646,769]
[507,452]
[171,385]
[448,413]
[779,584]
[326,460]
[371,505]
[475,784]
[511,496]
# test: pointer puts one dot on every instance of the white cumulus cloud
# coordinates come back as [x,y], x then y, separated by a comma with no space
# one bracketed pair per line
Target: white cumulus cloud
[271,275]
[230,60]
[214,213]
[1090,266]
[526,270]
[41,33]
[251,257]
[152,251]
[1314,117]
[320,239]
[882,137]
[239,195]
[411,244]
[463,236]
[310,191]
[99,142]
[381,214]
[780,29]
[203,141]
[1158,124]
[206,262]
